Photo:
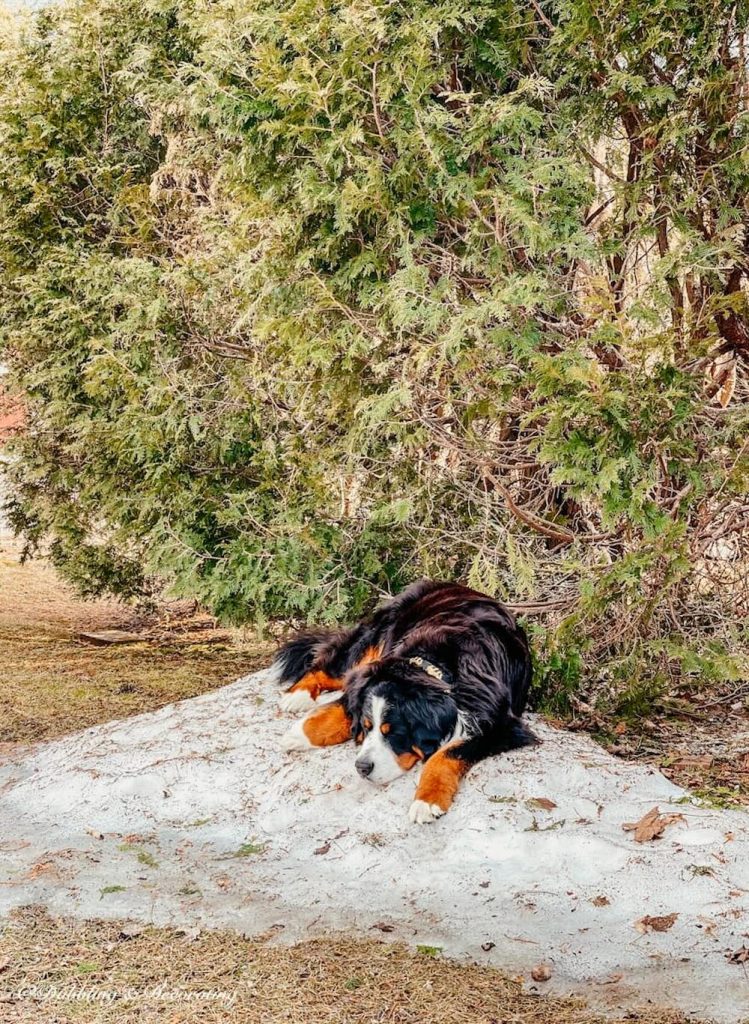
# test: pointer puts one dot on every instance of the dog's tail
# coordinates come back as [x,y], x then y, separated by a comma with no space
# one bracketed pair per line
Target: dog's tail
[297,657]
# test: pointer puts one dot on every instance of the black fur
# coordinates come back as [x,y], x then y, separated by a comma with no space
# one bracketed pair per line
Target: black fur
[297,657]
[478,684]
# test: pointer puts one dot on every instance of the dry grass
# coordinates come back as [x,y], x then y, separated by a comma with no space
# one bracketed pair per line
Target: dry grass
[315,982]
[52,683]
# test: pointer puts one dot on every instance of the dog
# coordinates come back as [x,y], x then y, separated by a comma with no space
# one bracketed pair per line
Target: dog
[438,675]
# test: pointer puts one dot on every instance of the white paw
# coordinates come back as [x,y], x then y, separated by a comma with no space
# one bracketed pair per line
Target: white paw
[421,813]
[295,738]
[298,700]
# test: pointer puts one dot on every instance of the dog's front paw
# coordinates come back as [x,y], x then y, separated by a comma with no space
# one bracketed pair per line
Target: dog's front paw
[421,813]
[296,700]
[295,738]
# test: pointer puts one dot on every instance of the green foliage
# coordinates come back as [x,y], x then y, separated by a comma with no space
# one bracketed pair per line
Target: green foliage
[309,298]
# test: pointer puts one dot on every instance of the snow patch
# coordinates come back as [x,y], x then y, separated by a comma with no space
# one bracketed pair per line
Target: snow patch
[231,824]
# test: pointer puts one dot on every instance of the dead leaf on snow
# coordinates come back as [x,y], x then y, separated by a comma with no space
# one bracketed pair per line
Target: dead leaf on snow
[321,850]
[652,825]
[541,803]
[384,926]
[541,972]
[655,924]
[600,901]
[740,956]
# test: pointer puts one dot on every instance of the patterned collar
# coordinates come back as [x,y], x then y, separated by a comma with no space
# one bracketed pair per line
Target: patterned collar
[429,667]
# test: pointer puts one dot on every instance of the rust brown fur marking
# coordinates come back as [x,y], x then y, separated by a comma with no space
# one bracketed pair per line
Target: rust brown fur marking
[371,654]
[328,726]
[316,683]
[407,761]
[440,779]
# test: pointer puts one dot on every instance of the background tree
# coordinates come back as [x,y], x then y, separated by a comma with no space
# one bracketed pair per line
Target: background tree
[310,298]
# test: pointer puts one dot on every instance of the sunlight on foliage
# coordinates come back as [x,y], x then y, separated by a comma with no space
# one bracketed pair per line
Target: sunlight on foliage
[308,299]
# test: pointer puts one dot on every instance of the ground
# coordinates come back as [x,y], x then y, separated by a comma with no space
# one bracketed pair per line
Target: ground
[53,684]
[231,978]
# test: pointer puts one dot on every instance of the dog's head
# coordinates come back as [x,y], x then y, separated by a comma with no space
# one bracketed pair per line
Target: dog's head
[400,715]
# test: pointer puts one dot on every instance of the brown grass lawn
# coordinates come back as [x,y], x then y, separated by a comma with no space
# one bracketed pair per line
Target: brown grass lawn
[52,682]
[155,975]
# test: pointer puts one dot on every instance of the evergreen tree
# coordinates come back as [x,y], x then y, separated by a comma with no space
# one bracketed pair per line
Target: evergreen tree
[309,298]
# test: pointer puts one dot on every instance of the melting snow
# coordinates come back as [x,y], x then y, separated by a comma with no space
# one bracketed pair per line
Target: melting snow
[195,812]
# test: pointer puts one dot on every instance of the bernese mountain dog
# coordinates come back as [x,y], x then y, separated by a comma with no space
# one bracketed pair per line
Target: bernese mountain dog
[439,675]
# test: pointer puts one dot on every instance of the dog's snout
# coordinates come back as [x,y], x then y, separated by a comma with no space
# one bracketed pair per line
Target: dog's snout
[364,767]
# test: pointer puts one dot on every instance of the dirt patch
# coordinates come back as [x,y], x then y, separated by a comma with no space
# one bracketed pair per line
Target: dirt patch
[703,748]
[698,741]
[53,683]
[100,972]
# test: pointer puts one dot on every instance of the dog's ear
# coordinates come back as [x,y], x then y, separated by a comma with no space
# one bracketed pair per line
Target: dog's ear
[435,716]
[354,695]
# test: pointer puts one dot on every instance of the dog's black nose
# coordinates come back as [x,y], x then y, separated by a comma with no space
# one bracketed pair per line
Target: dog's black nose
[364,767]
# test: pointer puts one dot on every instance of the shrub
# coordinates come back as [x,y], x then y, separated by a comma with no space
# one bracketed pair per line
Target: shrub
[310,298]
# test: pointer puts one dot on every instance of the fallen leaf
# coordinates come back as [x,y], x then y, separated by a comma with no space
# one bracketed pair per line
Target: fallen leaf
[600,901]
[42,867]
[613,979]
[486,946]
[707,926]
[651,825]
[541,803]
[728,387]
[541,972]
[325,848]
[655,924]
[741,956]
[384,926]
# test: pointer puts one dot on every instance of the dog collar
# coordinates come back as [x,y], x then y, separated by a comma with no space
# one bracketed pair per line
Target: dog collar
[429,667]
